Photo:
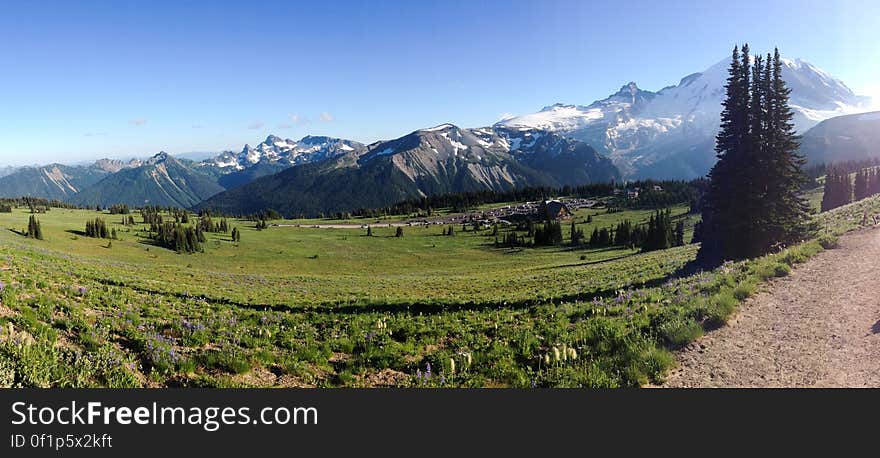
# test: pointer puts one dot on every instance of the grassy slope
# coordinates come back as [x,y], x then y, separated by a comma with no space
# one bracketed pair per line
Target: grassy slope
[299,266]
[353,317]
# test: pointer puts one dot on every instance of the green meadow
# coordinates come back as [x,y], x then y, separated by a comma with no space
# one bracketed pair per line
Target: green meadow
[300,306]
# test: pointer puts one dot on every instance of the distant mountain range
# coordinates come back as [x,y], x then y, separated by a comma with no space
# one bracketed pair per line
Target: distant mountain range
[438,160]
[274,155]
[53,181]
[161,180]
[670,133]
[633,133]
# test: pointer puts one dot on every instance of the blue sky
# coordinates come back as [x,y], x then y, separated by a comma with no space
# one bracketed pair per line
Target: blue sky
[83,80]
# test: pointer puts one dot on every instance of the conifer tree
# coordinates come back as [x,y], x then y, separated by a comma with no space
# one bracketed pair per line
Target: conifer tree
[679,234]
[659,234]
[785,216]
[34,230]
[720,215]
[753,201]
[838,189]
[594,237]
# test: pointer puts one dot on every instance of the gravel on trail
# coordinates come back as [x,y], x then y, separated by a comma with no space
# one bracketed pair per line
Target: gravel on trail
[818,327]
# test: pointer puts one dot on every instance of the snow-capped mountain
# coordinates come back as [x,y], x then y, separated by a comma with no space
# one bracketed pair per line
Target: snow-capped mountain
[436,160]
[670,133]
[447,156]
[286,152]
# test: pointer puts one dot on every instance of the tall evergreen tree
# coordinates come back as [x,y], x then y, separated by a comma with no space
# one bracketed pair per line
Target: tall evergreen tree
[34,230]
[678,234]
[838,189]
[659,235]
[786,215]
[753,201]
[721,216]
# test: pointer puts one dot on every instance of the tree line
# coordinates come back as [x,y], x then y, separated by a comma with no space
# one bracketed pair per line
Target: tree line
[668,192]
[658,233]
[842,188]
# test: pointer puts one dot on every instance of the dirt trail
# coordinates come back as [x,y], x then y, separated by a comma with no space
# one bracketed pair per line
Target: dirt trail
[818,327]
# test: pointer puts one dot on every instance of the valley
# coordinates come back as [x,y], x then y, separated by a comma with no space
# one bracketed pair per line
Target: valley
[432,259]
[297,306]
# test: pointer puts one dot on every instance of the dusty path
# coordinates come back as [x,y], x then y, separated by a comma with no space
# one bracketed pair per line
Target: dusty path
[819,327]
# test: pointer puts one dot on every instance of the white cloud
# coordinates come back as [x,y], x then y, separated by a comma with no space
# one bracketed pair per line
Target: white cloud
[138,122]
[256,125]
[297,120]
[506,116]
[327,117]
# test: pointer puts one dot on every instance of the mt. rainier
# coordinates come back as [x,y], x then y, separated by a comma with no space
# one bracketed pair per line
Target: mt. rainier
[670,133]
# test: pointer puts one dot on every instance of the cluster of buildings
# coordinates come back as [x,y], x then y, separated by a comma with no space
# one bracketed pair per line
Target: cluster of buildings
[553,209]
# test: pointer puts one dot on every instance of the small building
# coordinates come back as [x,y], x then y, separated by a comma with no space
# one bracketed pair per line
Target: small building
[556,210]
[658,187]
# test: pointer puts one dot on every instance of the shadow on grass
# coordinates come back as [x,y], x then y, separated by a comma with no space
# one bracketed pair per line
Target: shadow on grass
[413,308]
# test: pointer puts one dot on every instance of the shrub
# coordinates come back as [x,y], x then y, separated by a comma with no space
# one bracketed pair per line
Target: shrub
[744,290]
[793,256]
[781,270]
[680,331]
[655,361]
[721,306]
[765,271]
[829,241]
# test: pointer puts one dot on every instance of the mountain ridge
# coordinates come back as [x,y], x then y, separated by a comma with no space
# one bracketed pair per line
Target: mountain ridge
[428,161]
[670,133]
[160,180]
